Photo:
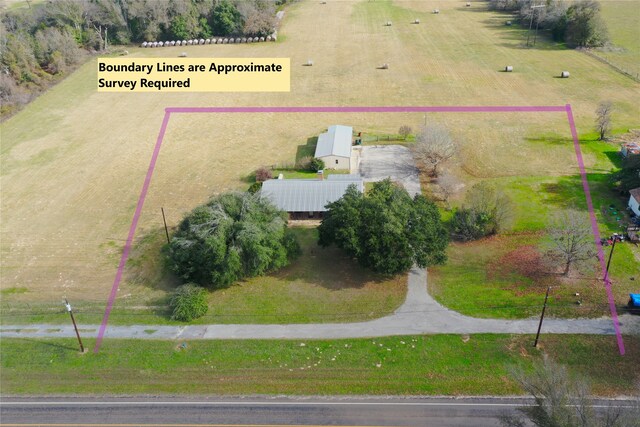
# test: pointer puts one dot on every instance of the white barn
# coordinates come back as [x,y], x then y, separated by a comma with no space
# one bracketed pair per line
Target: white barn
[334,147]
[634,201]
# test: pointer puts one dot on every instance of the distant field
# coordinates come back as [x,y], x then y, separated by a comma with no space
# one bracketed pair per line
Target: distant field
[623,22]
[408,365]
[73,162]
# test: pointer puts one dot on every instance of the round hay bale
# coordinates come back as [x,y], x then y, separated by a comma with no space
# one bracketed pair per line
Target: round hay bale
[309,63]
[468,4]
[565,74]
[261,39]
[508,68]
[201,41]
[144,44]
[184,42]
[384,66]
[508,23]
[155,44]
[160,44]
[173,42]
[220,41]
[214,41]
[190,42]
[417,21]
[268,38]
[225,41]
[183,55]
[388,23]
[207,41]
[274,37]
[436,11]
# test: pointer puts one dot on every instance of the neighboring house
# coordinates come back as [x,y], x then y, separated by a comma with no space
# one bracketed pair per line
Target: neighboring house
[630,149]
[334,147]
[634,201]
[307,198]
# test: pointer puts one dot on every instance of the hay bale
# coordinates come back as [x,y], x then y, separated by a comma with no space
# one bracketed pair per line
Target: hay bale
[436,11]
[417,21]
[384,66]
[144,44]
[268,38]
[508,68]
[309,63]
[183,55]
[388,24]
[565,74]
[508,23]
[232,40]
[201,41]
[261,39]
[468,4]
[190,42]
[225,41]
[207,41]
[160,44]
[155,44]
[274,37]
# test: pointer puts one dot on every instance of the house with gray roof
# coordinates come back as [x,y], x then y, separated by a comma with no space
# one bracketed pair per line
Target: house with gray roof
[308,198]
[334,147]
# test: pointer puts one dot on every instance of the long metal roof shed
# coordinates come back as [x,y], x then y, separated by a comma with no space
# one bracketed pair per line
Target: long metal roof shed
[335,142]
[307,195]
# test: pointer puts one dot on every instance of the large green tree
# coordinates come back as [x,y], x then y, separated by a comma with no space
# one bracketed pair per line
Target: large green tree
[235,235]
[386,230]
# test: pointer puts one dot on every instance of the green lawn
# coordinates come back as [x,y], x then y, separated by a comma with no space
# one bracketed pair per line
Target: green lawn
[410,365]
[623,20]
[322,285]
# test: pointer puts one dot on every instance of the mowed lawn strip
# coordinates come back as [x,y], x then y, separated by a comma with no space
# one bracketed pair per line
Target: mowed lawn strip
[430,365]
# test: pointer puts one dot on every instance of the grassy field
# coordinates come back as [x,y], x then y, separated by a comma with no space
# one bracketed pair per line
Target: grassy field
[623,20]
[410,365]
[320,286]
[71,182]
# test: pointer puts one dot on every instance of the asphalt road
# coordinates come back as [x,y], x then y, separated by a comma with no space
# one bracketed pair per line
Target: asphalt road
[445,412]
[260,411]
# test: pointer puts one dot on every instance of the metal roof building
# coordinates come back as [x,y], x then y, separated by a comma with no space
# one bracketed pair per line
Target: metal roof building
[308,195]
[334,147]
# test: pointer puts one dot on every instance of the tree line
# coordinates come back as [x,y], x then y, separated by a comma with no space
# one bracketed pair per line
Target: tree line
[45,41]
[577,23]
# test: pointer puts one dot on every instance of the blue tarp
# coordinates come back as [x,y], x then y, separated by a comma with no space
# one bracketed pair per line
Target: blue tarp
[635,298]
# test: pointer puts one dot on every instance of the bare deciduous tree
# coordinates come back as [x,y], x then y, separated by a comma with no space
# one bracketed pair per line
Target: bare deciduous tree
[572,240]
[404,131]
[433,146]
[448,184]
[563,401]
[603,119]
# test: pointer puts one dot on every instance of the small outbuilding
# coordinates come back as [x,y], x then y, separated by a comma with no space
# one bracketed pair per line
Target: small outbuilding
[334,147]
[308,198]
[630,149]
[634,201]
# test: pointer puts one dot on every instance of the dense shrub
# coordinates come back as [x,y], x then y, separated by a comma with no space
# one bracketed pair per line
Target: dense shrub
[233,236]
[487,211]
[188,302]
[316,164]
[255,187]
[263,174]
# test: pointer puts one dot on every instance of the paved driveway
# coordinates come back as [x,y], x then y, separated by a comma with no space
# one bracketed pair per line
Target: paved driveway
[378,162]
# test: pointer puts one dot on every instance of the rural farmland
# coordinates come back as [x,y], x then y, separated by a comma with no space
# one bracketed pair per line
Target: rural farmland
[71,183]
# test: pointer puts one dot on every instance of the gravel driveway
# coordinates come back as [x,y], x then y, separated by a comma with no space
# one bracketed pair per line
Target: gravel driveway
[378,162]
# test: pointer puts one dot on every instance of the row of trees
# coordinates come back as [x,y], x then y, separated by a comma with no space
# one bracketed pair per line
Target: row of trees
[51,38]
[578,23]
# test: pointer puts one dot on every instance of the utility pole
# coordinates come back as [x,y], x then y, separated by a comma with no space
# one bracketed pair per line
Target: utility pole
[66,303]
[544,307]
[166,230]
[533,11]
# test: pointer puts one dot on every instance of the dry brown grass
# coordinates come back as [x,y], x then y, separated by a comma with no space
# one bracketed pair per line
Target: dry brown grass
[73,161]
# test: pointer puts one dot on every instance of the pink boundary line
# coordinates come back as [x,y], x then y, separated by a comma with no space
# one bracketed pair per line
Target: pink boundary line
[459,109]
[595,229]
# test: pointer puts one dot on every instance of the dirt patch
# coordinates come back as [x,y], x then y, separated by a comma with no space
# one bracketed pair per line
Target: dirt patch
[525,268]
